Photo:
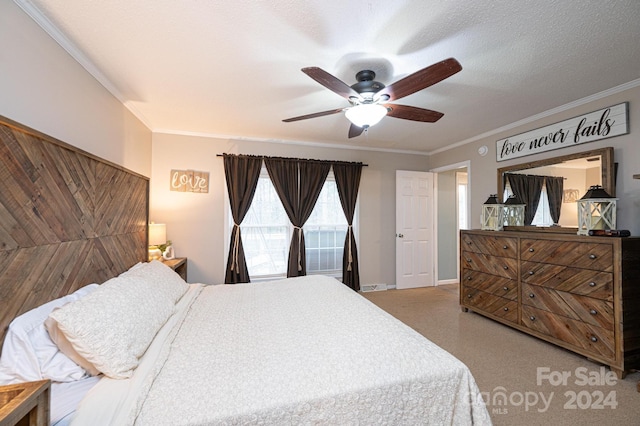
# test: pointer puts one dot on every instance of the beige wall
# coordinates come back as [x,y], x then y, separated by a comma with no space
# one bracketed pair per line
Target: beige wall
[447,226]
[482,173]
[44,88]
[195,222]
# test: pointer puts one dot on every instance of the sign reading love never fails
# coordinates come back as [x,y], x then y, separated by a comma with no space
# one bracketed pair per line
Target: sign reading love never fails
[601,124]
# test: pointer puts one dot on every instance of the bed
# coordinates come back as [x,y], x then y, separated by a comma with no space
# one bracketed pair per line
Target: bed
[304,350]
[126,341]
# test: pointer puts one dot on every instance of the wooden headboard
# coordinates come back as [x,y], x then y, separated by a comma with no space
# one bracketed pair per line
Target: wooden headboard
[67,219]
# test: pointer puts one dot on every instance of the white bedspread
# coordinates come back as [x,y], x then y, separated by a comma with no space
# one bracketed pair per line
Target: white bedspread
[305,350]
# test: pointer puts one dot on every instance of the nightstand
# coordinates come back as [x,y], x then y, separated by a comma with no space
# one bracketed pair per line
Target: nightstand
[179,264]
[25,403]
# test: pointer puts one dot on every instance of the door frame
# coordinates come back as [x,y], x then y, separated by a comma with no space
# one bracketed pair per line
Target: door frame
[463,164]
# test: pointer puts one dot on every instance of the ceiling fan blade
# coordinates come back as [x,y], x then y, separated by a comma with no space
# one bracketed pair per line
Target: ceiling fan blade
[413,113]
[420,79]
[332,83]
[355,131]
[314,115]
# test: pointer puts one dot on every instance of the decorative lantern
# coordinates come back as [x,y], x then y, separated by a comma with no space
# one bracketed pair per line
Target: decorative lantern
[492,214]
[596,210]
[513,214]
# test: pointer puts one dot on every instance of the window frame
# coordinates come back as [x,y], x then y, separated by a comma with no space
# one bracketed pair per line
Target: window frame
[228,220]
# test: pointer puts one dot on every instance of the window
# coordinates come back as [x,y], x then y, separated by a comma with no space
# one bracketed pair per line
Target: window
[266,232]
[462,188]
[325,231]
[543,212]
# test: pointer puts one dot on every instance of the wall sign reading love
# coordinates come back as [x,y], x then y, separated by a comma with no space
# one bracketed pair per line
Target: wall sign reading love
[605,123]
[189,181]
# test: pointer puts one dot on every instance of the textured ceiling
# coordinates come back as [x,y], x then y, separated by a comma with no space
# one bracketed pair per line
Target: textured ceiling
[232,68]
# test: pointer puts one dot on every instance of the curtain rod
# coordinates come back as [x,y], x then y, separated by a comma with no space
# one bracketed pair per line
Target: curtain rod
[297,159]
[525,174]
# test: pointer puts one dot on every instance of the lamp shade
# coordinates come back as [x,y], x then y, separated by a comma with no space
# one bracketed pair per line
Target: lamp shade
[366,115]
[157,234]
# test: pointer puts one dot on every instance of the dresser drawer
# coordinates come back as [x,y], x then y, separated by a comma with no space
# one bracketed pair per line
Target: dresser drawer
[495,246]
[596,312]
[594,339]
[578,254]
[585,282]
[500,266]
[499,286]
[491,304]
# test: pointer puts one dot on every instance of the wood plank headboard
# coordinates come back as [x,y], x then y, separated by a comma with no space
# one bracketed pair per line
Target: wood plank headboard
[67,219]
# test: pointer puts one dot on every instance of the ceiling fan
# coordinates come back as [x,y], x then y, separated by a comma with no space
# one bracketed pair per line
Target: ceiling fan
[368,98]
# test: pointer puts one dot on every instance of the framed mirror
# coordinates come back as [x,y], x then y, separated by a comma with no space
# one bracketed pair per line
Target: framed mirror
[579,170]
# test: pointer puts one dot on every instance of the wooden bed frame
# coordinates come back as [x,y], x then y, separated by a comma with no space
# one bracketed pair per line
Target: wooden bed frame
[67,219]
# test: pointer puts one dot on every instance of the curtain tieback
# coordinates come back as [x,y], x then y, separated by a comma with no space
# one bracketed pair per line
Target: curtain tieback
[299,247]
[236,249]
[350,256]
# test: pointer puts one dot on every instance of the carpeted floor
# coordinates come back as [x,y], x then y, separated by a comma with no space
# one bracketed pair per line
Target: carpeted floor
[525,381]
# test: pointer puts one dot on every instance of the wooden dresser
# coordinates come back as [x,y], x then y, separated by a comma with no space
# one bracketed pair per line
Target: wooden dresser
[579,292]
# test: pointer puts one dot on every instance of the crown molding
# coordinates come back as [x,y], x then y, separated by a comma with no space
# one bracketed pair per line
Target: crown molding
[614,90]
[78,55]
[92,69]
[288,142]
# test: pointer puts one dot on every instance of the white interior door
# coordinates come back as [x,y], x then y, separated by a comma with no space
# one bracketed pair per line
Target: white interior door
[414,229]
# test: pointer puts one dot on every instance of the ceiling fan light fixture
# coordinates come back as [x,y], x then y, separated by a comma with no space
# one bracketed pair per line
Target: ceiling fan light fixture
[366,115]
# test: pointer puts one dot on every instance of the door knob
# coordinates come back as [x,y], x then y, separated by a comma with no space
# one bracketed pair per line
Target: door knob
[400,235]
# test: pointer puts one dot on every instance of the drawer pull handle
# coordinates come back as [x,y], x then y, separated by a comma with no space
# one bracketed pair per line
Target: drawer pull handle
[531,295]
[469,278]
[531,272]
[505,247]
[532,318]
[505,288]
[592,256]
[593,312]
[531,250]
[506,309]
[470,296]
[592,284]
[594,339]
[468,260]
[505,267]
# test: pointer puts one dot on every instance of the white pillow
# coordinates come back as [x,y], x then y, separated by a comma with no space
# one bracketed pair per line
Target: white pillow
[29,354]
[113,326]
[163,279]
[66,347]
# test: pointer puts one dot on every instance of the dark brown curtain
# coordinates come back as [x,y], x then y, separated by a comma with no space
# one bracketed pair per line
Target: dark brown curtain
[242,173]
[529,189]
[298,185]
[348,181]
[555,187]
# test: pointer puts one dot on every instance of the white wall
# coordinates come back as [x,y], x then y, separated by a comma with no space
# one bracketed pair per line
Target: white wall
[483,170]
[43,87]
[195,222]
